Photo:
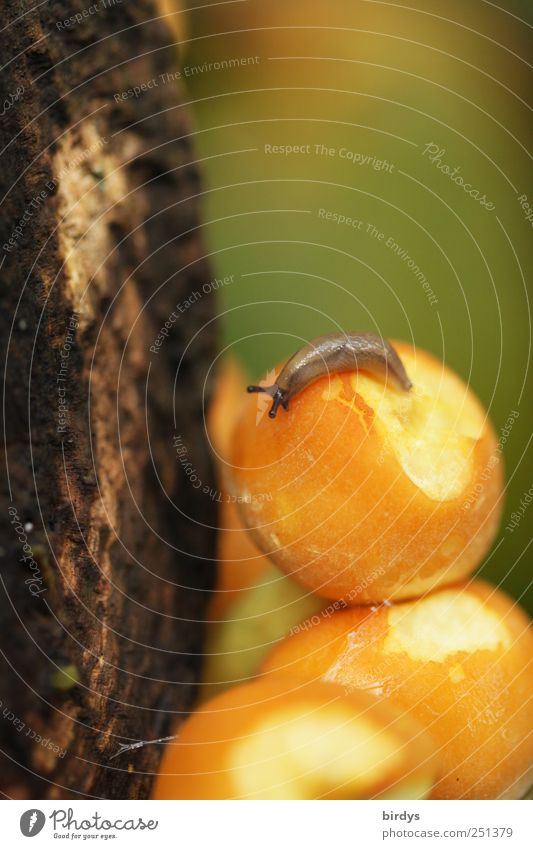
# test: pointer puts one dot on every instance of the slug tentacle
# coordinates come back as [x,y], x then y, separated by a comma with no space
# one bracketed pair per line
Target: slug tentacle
[336,352]
[268,390]
[277,395]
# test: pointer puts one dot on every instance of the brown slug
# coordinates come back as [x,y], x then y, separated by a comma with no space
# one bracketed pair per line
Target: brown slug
[335,352]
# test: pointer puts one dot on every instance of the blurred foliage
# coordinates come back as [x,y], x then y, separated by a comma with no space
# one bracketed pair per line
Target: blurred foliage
[382,81]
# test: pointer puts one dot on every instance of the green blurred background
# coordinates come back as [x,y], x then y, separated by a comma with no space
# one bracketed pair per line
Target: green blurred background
[379,82]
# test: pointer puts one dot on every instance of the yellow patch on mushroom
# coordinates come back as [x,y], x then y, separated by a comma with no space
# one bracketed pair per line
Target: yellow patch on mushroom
[444,625]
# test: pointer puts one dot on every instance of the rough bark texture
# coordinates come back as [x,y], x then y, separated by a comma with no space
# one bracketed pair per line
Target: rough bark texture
[116,540]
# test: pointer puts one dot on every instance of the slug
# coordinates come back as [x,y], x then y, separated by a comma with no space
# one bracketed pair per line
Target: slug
[335,352]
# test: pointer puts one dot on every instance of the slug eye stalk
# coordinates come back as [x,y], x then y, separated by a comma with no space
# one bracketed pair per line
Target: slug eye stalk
[276,394]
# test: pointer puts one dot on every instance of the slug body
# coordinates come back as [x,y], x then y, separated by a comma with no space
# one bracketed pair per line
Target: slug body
[336,352]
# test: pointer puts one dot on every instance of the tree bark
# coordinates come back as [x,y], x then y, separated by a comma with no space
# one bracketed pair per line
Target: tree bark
[106,542]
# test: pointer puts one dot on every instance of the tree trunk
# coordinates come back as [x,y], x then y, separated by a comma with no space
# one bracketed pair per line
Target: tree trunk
[106,542]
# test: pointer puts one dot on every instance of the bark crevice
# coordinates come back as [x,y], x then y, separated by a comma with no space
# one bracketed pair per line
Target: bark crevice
[120,571]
